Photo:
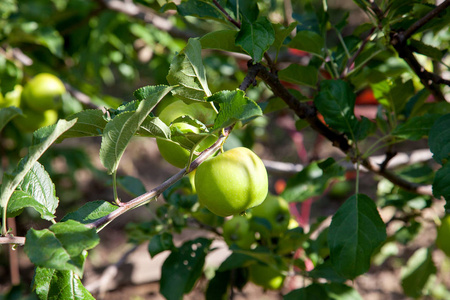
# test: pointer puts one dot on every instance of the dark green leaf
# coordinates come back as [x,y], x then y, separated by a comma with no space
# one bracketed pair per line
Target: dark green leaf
[417,271]
[200,8]
[221,40]
[336,102]
[131,185]
[256,37]
[159,243]
[236,260]
[308,41]
[326,271]
[187,71]
[314,291]
[182,268]
[61,246]
[281,33]
[416,128]
[59,285]
[364,128]
[441,183]
[356,230]
[302,75]
[36,190]
[439,139]
[90,212]
[8,113]
[248,9]
[90,122]
[427,50]
[393,94]
[234,106]
[311,181]
[218,286]
[119,131]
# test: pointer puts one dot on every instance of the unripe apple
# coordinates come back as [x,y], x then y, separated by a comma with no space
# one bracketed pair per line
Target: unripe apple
[231,182]
[43,92]
[11,98]
[276,210]
[237,231]
[266,276]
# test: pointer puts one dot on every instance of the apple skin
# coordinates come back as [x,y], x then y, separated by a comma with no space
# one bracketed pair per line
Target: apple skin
[266,277]
[32,120]
[237,231]
[276,210]
[231,182]
[43,92]
[11,98]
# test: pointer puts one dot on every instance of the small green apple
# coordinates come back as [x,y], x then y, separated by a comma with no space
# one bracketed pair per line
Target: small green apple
[43,92]
[266,276]
[276,210]
[11,98]
[237,231]
[232,182]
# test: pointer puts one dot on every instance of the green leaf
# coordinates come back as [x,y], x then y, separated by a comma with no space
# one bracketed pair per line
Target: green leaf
[42,140]
[311,292]
[221,40]
[119,131]
[417,272]
[356,230]
[187,71]
[90,122]
[182,268]
[202,9]
[61,246]
[234,106]
[281,33]
[256,37]
[422,48]
[90,212]
[441,183]
[154,127]
[59,285]
[131,185]
[393,94]
[159,243]
[336,102]
[439,139]
[8,113]
[302,75]
[36,190]
[416,128]
[311,181]
[308,41]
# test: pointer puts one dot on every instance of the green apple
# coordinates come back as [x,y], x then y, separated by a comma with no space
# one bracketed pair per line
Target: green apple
[11,98]
[276,211]
[266,276]
[43,92]
[231,182]
[237,231]
[32,120]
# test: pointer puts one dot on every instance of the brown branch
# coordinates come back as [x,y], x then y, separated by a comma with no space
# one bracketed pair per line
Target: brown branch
[15,240]
[357,53]
[227,15]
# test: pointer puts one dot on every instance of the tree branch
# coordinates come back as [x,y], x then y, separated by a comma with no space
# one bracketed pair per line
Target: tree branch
[17,240]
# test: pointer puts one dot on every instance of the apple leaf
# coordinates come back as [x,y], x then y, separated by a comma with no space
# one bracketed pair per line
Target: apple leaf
[131,185]
[308,41]
[439,139]
[281,33]
[8,113]
[234,106]
[312,180]
[42,140]
[59,285]
[159,243]
[202,9]
[324,291]
[256,37]
[356,230]
[154,127]
[302,75]
[183,267]
[311,292]
[36,190]
[62,246]
[416,128]
[417,271]
[119,131]
[441,183]
[188,73]
[90,122]
[90,212]
[221,40]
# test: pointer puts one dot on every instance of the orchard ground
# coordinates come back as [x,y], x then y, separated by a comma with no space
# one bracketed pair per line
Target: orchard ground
[137,274]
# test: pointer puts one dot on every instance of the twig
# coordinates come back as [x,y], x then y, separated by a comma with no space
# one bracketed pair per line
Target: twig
[15,240]
[357,53]
[227,15]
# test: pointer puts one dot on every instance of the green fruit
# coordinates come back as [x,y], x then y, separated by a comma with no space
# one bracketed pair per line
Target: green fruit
[231,182]
[340,189]
[43,92]
[276,211]
[32,120]
[237,231]
[171,151]
[12,98]
[443,236]
[266,277]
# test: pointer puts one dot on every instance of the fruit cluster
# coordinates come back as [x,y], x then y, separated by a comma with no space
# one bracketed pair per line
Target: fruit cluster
[39,100]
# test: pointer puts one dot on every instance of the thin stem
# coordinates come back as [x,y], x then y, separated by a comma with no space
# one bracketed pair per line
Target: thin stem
[114,183]
[227,15]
